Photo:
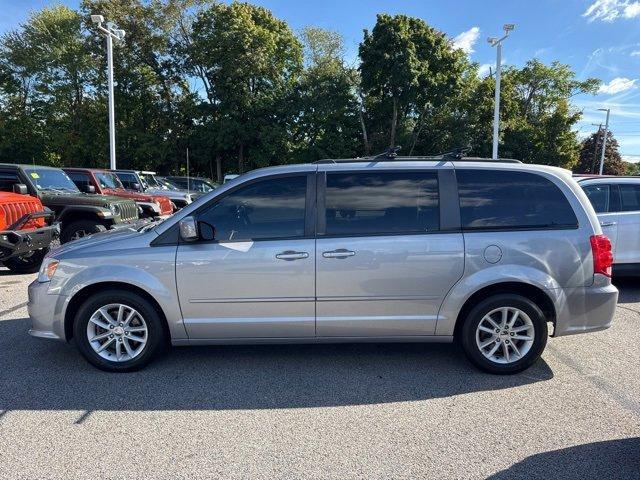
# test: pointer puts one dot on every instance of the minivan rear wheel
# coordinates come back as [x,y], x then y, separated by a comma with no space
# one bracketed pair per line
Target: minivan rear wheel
[504,334]
[118,331]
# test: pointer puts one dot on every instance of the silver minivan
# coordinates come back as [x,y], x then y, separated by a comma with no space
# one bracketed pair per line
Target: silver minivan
[497,255]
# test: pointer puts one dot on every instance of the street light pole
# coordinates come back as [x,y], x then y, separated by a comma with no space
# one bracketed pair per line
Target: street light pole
[111,33]
[497,42]
[112,113]
[604,138]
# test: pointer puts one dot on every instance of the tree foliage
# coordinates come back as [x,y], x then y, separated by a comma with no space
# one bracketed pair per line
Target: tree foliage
[591,152]
[239,89]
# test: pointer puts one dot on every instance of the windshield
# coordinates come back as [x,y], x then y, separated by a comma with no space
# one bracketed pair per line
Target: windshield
[108,180]
[149,180]
[51,179]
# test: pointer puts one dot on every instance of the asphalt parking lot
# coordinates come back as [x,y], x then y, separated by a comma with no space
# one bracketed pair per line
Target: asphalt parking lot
[337,411]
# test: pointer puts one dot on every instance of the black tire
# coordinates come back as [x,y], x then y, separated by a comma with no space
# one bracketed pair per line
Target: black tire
[156,335]
[80,229]
[475,316]
[29,263]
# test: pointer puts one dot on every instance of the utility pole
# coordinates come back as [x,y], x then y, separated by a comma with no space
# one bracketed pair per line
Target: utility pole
[497,42]
[595,147]
[111,33]
[604,137]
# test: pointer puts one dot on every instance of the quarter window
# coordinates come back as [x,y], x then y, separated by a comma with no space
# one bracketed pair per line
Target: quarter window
[381,203]
[267,209]
[495,199]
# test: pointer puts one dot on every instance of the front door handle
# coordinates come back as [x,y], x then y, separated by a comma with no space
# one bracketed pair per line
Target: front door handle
[607,224]
[339,253]
[291,255]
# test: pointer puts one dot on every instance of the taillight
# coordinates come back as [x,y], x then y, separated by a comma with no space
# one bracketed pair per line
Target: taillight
[602,255]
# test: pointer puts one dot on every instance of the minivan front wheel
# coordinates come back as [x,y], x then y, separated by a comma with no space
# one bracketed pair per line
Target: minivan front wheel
[118,331]
[504,334]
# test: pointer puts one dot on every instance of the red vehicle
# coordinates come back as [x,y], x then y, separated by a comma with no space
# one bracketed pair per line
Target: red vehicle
[26,231]
[93,180]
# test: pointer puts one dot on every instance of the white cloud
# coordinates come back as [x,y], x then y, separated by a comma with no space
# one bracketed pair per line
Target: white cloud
[466,40]
[631,158]
[617,85]
[635,53]
[485,68]
[610,10]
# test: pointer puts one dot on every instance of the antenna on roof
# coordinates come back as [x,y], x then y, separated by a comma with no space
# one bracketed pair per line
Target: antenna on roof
[391,152]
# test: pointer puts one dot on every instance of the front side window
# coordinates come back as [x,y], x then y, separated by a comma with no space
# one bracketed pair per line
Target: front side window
[80,179]
[267,209]
[108,180]
[598,195]
[128,180]
[499,199]
[629,197]
[46,179]
[149,180]
[366,203]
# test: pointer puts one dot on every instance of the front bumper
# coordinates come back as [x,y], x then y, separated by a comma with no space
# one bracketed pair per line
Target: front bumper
[586,309]
[45,312]
[14,243]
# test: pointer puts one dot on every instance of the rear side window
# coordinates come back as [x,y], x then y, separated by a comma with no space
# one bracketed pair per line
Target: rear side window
[598,195]
[629,197]
[381,203]
[495,199]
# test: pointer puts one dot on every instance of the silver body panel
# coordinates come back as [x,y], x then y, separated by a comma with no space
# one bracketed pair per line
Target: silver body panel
[393,288]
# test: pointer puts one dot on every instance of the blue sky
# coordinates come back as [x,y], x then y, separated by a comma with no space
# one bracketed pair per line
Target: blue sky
[599,38]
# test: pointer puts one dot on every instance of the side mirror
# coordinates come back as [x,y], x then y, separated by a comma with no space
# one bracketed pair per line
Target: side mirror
[20,188]
[89,189]
[136,187]
[189,229]
[207,231]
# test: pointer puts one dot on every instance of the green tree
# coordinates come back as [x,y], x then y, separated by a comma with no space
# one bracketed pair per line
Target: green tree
[591,151]
[326,123]
[46,75]
[248,61]
[537,119]
[408,71]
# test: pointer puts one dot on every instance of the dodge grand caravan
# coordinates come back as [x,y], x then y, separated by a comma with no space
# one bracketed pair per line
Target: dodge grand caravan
[495,255]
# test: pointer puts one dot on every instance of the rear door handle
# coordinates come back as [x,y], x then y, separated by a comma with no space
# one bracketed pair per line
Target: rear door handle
[340,253]
[607,224]
[291,255]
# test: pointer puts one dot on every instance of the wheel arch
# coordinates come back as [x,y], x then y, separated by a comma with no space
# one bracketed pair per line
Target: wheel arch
[532,292]
[81,295]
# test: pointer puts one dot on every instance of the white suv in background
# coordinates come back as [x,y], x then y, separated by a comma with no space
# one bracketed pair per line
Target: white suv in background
[616,201]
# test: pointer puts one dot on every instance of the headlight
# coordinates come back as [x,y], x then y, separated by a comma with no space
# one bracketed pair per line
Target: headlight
[47,269]
[115,209]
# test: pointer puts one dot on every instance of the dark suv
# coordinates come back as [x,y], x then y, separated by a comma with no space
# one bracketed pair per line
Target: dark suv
[79,214]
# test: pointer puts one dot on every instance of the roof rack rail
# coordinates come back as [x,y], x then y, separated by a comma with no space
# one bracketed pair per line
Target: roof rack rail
[436,158]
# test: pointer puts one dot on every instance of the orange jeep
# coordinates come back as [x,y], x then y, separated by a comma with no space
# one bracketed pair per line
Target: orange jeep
[26,231]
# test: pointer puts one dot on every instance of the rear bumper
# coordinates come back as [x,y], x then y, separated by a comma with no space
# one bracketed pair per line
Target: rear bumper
[14,243]
[586,309]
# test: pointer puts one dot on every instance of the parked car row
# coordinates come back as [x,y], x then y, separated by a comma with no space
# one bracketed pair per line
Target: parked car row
[39,205]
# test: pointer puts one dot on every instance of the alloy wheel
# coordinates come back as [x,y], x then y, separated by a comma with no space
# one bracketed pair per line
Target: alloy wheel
[505,335]
[117,332]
